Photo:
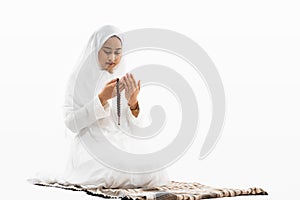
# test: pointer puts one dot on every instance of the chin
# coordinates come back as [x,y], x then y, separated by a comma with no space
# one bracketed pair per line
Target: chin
[110,70]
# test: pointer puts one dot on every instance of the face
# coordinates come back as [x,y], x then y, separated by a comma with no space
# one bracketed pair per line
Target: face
[110,54]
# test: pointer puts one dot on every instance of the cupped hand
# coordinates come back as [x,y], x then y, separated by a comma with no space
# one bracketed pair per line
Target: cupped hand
[109,91]
[132,88]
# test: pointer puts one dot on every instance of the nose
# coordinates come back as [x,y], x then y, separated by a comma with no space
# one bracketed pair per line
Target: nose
[112,57]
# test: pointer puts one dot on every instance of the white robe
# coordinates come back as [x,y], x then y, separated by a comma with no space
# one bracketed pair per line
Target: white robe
[84,114]
[83,169]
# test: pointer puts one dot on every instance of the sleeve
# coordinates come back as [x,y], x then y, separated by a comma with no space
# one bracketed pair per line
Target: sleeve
[142,120]
[75,120]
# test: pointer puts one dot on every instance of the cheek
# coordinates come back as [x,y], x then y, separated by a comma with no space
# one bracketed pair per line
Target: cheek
[101,55]
[118,59]
[101,58]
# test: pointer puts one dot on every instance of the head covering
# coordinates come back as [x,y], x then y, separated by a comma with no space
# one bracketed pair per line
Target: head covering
[88,77]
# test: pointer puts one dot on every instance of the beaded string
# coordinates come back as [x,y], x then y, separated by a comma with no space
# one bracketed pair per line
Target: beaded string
[118,102]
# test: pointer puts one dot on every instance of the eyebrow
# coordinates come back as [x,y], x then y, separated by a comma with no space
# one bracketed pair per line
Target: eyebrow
[111,48]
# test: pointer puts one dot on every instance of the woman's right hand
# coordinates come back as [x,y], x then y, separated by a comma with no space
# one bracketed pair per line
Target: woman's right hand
[109,91]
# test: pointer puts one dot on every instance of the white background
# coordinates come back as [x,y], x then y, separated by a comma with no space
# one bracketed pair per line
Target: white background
[254,44]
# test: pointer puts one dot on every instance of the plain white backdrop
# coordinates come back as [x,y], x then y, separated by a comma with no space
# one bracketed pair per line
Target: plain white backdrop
[254,44]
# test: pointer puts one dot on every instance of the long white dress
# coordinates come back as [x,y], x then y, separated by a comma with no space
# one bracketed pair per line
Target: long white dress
[84,114]
[83,169]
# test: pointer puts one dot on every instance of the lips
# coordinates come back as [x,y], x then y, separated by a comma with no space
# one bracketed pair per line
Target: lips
[112,63]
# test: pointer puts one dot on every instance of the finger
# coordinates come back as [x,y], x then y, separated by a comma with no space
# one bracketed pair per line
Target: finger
[114,92]
[127,78]
[112,84]
[127,81]
[139,84]
[121,83]
[126,87]
[130,81]
[122,87]
[133,80]
[121,80]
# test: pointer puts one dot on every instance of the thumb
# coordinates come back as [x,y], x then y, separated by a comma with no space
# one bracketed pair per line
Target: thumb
[112,81]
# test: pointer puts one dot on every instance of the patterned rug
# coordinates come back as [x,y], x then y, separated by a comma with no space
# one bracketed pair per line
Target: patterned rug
[175,191]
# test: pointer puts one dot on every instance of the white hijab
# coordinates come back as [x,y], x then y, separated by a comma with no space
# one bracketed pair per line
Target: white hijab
[88,77]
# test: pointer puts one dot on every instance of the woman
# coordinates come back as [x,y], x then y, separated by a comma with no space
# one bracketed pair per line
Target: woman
[88,109]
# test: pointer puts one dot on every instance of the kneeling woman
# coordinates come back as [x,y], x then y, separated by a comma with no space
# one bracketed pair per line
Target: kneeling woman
[88,112]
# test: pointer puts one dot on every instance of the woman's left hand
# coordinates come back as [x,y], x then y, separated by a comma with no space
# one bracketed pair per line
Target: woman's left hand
[132,88]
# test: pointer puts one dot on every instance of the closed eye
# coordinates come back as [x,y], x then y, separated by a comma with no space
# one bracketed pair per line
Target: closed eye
[109,52]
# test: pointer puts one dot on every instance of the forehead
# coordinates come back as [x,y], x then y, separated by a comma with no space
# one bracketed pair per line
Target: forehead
[113,42]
